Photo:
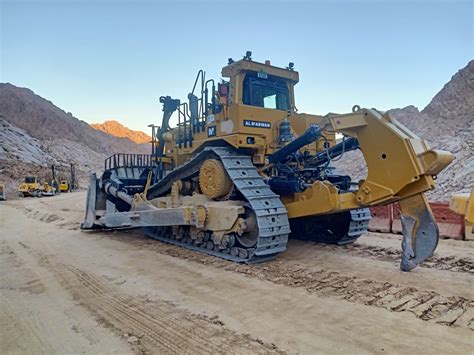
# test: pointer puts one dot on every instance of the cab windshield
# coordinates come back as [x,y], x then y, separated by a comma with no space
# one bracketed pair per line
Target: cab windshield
[30,179]
[265,91]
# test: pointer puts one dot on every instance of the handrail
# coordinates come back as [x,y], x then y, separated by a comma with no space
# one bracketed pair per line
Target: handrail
[121,160]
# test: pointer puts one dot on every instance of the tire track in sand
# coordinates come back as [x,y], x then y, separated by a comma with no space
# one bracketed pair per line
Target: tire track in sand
[426,305]
[18,277]
[160,326]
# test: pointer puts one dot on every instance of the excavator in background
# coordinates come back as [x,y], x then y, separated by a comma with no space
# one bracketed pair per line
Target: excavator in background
[243,169]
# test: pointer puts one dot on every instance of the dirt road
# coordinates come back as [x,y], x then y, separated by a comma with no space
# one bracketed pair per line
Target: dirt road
[67,291]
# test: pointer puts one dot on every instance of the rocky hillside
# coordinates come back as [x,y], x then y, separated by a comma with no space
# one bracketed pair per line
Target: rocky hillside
[35,134]
[447,123]
[58,130]
[117,129]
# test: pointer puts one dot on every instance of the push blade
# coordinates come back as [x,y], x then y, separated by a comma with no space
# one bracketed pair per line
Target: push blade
[420,231]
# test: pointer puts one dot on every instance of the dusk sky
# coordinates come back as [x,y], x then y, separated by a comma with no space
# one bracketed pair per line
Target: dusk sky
[105,60]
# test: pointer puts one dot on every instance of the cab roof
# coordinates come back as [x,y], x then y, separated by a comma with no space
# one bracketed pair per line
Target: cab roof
[250,65]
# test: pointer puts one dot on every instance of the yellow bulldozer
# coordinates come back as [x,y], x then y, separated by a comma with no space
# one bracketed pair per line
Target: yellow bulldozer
[32,186]
[243,170]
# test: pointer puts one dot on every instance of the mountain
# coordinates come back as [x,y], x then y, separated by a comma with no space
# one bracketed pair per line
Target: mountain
[63,137]
[447,123]
[455,101]
[34,133]
[117,129]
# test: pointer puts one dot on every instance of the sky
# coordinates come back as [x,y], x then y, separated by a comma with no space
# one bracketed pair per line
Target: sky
[106,60]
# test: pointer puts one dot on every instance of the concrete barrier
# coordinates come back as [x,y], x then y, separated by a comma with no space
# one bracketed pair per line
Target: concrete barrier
[381,219]
[450,224]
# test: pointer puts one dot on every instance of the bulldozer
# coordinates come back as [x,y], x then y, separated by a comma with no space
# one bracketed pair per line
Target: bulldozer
[31,187]
[242,170]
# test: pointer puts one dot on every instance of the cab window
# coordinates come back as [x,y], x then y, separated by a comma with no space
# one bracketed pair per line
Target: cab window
[270,92]
[30,180]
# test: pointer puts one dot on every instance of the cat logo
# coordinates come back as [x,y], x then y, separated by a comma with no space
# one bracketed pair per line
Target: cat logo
[211,131]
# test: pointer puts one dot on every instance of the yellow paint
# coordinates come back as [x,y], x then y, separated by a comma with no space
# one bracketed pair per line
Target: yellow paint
[30,184]
[64,186]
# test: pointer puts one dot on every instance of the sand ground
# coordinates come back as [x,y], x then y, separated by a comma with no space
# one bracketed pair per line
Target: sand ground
[67,291]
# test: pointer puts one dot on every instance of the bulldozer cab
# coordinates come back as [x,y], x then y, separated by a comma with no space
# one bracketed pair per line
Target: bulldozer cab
[31,179]
[261,84]
[243,111]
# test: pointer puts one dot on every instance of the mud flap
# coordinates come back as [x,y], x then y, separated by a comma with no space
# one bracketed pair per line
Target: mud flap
[420,231]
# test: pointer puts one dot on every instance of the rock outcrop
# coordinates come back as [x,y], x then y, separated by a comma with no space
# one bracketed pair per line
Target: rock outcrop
[117,129]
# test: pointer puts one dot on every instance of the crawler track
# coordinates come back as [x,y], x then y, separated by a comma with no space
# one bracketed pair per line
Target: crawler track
[340,228]
[271,215]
